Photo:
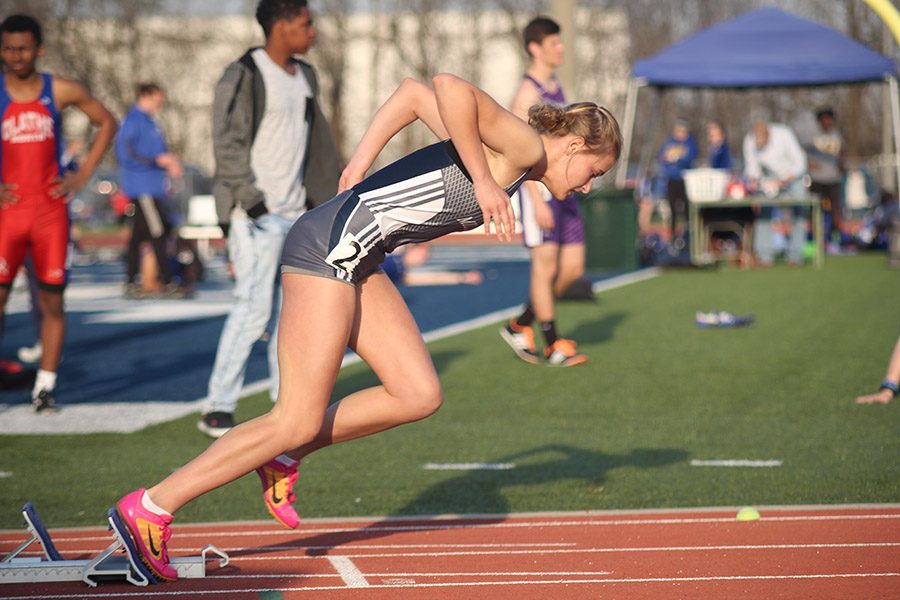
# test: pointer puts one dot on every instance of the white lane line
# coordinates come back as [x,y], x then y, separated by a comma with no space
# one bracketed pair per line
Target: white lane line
[244,590]
[351,575]
[4,474]
[626,279]
[382,546]
[438,526]
[737,462]
[347,554]
[468,466]
[432,575]
[539,552]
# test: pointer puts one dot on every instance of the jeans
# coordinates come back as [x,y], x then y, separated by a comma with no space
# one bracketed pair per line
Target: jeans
[762,228]
[254,246]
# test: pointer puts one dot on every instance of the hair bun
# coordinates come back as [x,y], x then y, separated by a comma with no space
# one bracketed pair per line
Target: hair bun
[593,123]
[547,118]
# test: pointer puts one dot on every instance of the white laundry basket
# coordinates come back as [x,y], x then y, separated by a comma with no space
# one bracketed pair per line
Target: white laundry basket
[705,185]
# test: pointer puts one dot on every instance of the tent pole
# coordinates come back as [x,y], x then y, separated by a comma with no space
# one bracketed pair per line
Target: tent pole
[651,147]
[634,86]
[895,118]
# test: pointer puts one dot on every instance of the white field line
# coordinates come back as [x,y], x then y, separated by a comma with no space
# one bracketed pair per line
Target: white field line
[626,279]
[437,526]
[736,462]
[244,590]
[468,466]
[348,571]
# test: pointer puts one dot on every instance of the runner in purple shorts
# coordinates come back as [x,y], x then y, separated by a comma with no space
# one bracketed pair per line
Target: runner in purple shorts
[552,228]
[568,226]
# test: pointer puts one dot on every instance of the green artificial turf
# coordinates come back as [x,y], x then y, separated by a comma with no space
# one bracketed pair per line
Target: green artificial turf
[617,433]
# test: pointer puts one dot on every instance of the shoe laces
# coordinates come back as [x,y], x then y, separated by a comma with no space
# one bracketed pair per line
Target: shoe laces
[291,480]
[165,534]
[286,480]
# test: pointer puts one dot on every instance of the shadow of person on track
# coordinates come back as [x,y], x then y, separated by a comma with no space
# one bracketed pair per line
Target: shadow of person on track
[480,494]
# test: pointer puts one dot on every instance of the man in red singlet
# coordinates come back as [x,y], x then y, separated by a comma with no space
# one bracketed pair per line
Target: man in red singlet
[33,190]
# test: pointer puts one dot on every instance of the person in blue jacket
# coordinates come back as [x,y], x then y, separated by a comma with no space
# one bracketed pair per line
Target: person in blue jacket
[145,164]
[719,155]
[677,153]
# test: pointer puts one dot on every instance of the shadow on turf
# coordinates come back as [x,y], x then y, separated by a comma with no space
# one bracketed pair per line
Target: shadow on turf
[600,330]
[481,493]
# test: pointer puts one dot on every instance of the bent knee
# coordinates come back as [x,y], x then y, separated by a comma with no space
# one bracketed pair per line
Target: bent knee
[292,433]
[425,401]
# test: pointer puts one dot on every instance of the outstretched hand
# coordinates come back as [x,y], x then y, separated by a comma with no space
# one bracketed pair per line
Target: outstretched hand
[882,397]
[496,208]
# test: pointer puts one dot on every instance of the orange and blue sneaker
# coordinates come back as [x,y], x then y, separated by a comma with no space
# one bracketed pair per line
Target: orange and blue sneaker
[521,339]
[149,532]
[562,353]
[278,492]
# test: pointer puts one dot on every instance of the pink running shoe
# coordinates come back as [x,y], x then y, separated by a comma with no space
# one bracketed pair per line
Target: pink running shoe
[149,532]
[278,492]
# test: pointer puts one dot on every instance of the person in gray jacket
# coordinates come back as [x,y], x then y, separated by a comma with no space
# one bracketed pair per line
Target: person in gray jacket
[275,159]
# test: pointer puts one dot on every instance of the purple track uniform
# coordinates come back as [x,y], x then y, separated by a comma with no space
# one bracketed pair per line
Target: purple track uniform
[568,225]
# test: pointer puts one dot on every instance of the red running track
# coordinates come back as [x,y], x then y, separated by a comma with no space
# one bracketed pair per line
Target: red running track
[825,552]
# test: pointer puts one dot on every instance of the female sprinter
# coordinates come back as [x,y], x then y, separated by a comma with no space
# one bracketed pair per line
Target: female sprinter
[336,296]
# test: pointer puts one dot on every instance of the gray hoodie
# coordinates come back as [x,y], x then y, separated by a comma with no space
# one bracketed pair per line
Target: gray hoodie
[238,108]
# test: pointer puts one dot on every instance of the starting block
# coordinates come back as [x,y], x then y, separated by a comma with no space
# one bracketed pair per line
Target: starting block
[118,561]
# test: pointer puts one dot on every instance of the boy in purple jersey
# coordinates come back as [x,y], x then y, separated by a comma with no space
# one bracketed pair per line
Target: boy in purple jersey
[552,228]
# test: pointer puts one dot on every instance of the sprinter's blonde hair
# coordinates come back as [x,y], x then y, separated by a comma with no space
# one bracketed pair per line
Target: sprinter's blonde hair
[587,120]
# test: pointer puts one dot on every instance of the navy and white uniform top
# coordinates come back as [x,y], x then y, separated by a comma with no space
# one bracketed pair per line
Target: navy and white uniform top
[418,198]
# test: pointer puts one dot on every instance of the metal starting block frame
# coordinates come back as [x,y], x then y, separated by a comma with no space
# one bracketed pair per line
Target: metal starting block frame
[118,561]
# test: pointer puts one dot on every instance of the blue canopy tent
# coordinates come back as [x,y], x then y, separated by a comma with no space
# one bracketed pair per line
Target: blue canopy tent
[765,48]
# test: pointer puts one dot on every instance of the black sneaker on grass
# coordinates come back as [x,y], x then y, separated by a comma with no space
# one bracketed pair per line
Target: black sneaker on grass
[216,424]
